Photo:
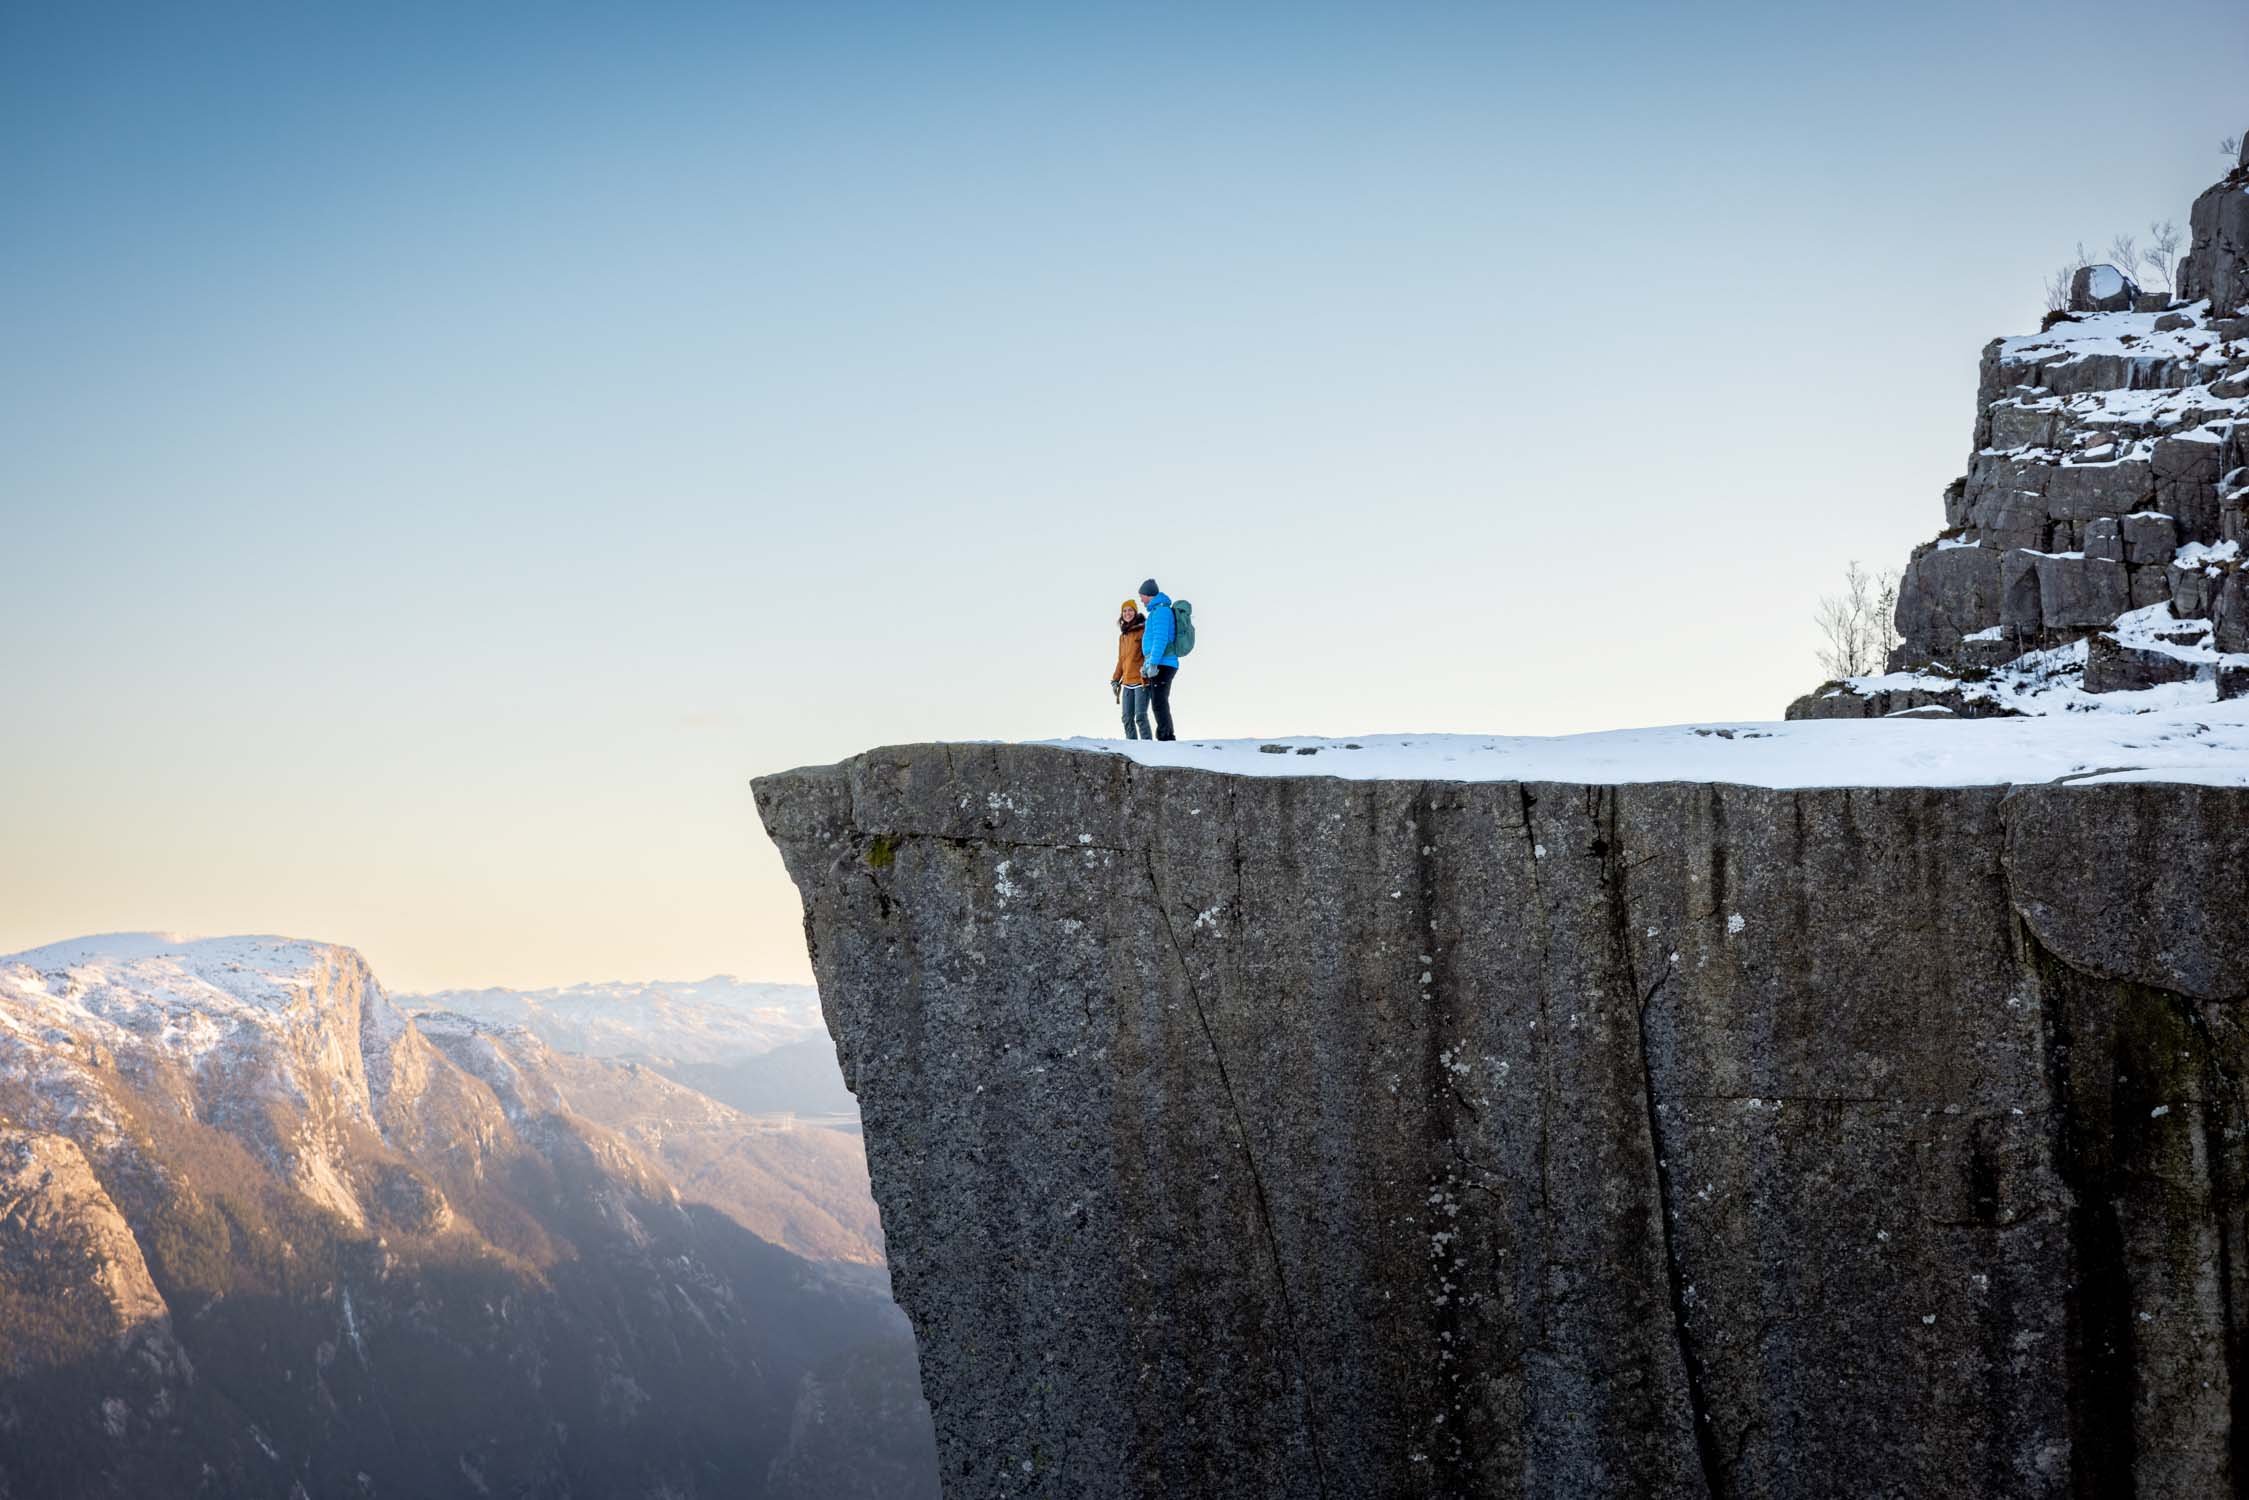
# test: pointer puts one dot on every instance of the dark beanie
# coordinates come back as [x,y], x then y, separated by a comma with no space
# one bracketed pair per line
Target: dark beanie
[1149,590]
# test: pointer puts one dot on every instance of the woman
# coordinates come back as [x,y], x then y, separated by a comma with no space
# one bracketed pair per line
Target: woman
[1125,684]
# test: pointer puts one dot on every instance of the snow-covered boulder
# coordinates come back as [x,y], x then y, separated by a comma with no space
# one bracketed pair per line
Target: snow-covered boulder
[2102,288]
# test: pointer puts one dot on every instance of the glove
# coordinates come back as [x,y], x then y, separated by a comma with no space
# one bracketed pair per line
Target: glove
[1116,691]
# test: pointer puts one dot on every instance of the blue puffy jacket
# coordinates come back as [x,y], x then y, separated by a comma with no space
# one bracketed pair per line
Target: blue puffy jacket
[1155,641]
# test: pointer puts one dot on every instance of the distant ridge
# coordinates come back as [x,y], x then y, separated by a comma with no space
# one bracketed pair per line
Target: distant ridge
[714,1020]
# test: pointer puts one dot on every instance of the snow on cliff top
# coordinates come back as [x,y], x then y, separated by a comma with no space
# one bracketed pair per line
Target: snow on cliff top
[2117,333]
[266,971]
[2205,743]
[165,988]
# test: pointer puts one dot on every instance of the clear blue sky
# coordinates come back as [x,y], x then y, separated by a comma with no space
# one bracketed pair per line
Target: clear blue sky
[446,450]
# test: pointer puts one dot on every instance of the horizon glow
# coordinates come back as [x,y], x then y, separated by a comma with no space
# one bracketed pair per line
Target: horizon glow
[449,451]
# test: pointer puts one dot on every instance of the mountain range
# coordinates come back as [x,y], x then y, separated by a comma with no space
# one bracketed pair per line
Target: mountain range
[715,1020]
[761,1048]
[264,1233]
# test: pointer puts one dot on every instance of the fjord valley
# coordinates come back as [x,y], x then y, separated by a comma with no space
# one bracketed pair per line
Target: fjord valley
[264,1233]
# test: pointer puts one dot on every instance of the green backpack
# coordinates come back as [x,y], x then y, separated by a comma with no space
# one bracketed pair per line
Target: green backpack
[1182,627]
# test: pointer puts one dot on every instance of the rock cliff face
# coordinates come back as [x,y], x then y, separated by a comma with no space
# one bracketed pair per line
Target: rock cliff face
[1295,1136]
[2094,547]
[2217,264]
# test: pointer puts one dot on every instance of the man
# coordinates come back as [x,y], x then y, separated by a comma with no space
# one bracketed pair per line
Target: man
[1158,663]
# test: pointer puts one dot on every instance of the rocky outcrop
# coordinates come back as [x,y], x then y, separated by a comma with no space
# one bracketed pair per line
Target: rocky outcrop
[2104,498]
[72,1266]
[1923,698]
[2102,288]
[1295,1136]
[2217,262]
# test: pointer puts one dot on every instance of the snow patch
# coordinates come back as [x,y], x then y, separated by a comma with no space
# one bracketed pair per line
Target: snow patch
[2176,732]
[2105,333]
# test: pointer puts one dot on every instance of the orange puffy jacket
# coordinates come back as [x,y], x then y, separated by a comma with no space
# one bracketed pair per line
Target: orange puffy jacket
[1128,655]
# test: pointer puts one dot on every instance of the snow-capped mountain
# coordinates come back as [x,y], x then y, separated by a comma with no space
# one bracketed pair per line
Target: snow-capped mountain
[714,1020]
[263,1234]
[287,1044]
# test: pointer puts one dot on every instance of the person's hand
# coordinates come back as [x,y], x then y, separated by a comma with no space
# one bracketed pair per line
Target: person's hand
[1116,691]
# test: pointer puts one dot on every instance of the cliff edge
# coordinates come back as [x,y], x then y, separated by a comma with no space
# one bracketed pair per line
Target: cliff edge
[1293,1135]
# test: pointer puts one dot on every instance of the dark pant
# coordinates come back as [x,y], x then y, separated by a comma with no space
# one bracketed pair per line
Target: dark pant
[1159,699]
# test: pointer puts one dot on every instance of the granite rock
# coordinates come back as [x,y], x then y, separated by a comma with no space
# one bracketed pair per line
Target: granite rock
[1949,593]
[2102,288]
[2105,438]
[2150,537]
[2229,614]
[1280,1137]
[2112,667]
[2217,261]
[2080,593]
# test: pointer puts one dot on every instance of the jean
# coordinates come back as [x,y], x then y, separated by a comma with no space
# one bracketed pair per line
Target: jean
[1135,702]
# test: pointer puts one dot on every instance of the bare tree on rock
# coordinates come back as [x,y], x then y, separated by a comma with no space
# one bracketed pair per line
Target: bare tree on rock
[2162,253]
[1859,623]
[2124,253]
[2057,285]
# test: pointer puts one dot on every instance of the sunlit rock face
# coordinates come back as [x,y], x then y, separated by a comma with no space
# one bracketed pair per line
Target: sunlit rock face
[1298,1136]
[262,1235]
